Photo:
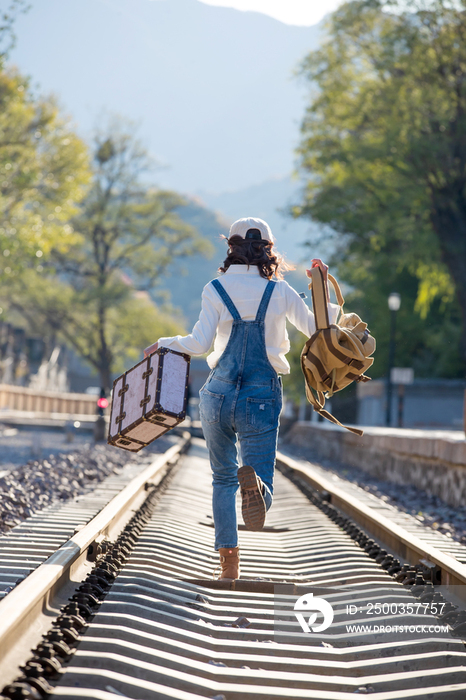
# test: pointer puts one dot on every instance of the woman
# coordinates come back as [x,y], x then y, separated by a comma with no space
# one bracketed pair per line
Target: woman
[245,311]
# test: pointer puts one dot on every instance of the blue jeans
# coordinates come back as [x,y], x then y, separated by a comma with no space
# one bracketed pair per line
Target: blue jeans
[251,417]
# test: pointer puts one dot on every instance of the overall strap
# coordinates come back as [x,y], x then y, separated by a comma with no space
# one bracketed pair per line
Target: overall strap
[261,311]
[226,299]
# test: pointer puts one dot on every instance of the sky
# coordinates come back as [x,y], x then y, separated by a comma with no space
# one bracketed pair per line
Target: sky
[298,12]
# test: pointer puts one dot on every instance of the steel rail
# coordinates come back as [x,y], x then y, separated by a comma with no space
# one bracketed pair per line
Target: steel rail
[33,597]
[393,536]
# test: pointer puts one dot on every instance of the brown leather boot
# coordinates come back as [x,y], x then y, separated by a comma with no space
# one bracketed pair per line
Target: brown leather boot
[229,562]
[253,508]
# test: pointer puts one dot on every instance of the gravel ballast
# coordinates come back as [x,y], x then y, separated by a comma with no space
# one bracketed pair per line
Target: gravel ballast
[27,489]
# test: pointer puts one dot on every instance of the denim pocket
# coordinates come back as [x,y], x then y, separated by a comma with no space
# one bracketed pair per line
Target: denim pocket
[210,406]
[260,414]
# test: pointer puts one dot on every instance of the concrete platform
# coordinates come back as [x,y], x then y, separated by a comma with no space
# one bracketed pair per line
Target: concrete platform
[432,460]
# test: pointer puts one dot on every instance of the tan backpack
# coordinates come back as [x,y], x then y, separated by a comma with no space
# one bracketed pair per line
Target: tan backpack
[337,354]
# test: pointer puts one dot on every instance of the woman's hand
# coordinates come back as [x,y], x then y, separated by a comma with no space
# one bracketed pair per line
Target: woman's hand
[317,262]
[152,348]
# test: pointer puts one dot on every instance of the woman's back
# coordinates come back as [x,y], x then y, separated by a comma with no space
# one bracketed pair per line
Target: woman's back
[245,286]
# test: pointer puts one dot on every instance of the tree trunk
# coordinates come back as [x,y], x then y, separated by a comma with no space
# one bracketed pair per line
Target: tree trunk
[105,379]
[105,353]
[448,218]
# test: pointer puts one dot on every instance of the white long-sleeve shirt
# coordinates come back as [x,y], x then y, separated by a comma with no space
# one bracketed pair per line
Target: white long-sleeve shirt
[245,287]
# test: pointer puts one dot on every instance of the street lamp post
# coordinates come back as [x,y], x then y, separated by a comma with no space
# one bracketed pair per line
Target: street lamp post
[394,301]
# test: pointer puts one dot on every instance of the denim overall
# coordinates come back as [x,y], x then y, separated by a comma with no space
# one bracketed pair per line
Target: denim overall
[242,399]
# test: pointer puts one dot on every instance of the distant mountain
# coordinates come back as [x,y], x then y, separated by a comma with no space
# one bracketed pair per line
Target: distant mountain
[212,88]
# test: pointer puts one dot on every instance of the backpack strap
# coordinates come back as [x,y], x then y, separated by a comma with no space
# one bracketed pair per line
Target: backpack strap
[319,297]
[318,403]
[335,286]
[226,300]
[262,310]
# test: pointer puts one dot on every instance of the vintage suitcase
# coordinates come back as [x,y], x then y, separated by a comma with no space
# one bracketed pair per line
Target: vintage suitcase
[149,399]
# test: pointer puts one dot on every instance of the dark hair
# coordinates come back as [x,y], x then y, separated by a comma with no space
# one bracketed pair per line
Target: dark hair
[254,252]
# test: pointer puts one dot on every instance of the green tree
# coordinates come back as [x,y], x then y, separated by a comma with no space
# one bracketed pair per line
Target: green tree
[58,311]
[384,149]
[124,237]
[44,173]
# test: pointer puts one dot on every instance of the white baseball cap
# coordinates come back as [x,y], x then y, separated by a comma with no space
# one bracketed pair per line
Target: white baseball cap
[252,228]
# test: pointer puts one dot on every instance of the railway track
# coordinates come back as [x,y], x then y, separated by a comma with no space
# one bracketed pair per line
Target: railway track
[150,622]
